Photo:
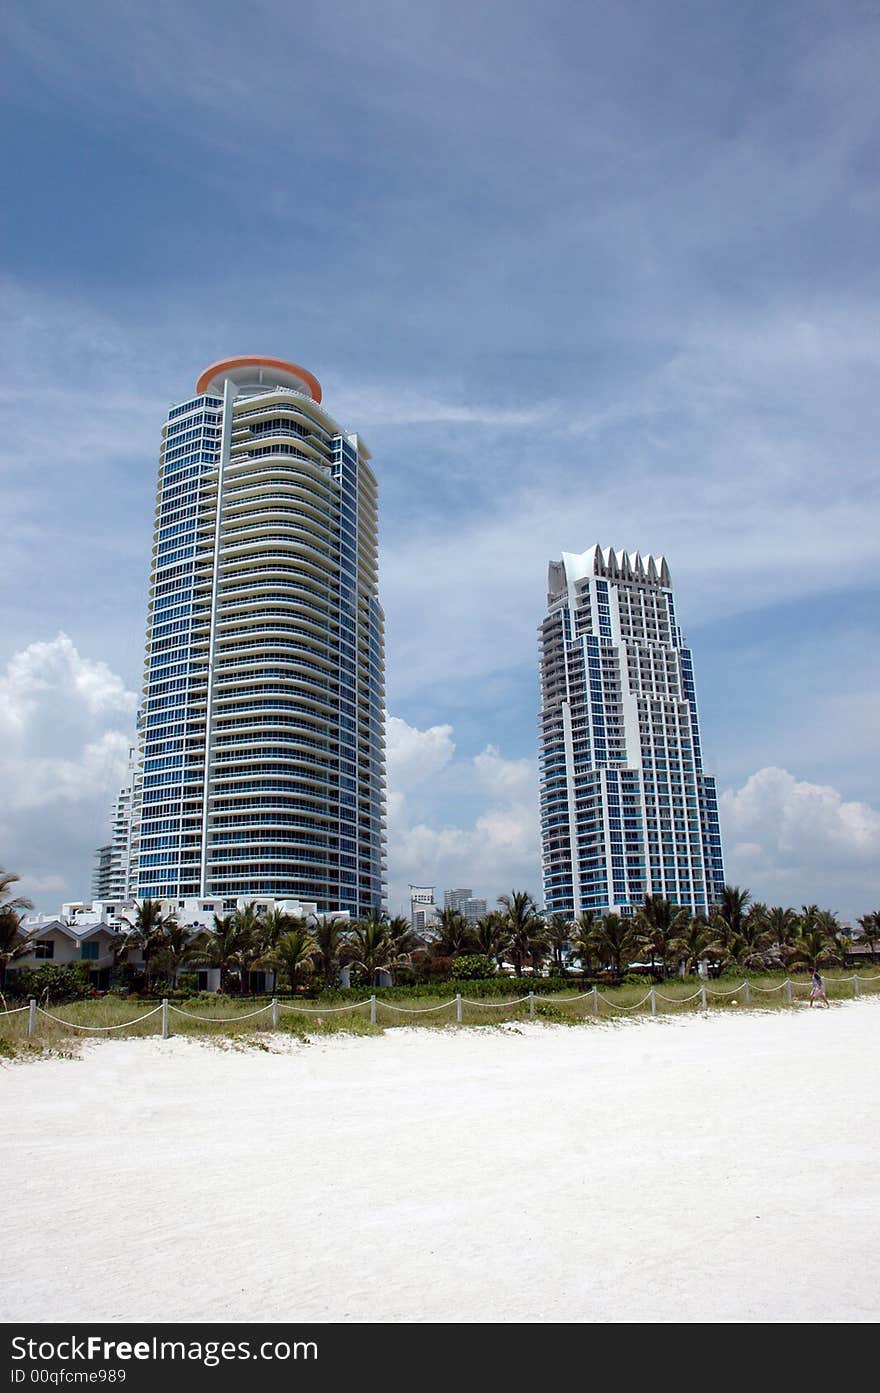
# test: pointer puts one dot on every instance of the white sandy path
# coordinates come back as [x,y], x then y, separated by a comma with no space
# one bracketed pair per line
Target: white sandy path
[718,1169]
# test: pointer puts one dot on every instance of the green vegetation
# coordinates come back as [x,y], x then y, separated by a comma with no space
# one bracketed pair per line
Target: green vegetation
[211,1016]
[13,942]
[597,968]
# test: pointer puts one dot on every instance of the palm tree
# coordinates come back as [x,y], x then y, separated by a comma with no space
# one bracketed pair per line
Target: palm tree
[583,938]
[149,932]
[491,935]
[268,930]
[328,944]
[750,946]
[613,942]
[523,925]
[402,943]
[13,943]
[251,942]
[223,946]
[368,946]
[658,924]
[538,947]
[179,948]
[294,952]
[11,904]
[729,913]
[781,928]
[828,922]
[698,941]
[808,916]
[557,933]
[870,927]
[454,934]
[813,947]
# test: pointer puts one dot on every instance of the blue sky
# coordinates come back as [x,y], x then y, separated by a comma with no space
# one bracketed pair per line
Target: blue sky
[576,272]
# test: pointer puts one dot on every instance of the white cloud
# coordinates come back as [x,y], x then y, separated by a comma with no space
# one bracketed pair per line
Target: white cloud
[513,779]
[789,839]
[470,821]
[38,782]
[66,723]
[51,673]
[415,755]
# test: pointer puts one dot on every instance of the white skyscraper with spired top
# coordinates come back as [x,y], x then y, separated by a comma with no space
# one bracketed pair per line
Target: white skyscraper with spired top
[626,809]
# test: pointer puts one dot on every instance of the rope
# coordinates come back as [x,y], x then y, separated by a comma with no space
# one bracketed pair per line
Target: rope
[415,1010]
[625,1008]
[467,1001]
[219,1020]
[72,1025]
[322,1010]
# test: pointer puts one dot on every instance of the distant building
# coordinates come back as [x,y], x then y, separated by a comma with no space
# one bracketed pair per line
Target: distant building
[113,875]
[626,809]
[464,903]
[423,911]
[102,872]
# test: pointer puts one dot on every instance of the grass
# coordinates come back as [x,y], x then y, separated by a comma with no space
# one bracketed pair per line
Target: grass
[225,1017]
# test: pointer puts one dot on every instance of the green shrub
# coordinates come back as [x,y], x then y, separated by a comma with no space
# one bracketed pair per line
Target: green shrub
[498,986]
[127,978]
[473,967]
[437,969]
[52,983]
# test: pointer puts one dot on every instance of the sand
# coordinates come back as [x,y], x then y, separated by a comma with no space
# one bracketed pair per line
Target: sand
[698,1169]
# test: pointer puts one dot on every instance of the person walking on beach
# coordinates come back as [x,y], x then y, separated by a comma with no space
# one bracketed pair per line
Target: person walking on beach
[817,989]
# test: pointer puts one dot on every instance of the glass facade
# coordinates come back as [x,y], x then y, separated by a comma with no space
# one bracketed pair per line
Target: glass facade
[261,736]
[626,809]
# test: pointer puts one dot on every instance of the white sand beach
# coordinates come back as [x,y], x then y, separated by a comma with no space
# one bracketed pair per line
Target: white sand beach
[704,1169]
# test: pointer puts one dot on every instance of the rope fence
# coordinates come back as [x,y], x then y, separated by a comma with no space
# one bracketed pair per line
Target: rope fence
[123,1025]
[534,1000]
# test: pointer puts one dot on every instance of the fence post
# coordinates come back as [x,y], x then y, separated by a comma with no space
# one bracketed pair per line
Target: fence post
[531,1006]
[595,1001]
[274,1013]
[747,993]
[788,990]
[702,997]
[856,988]
[653,1001]
[164,1018]
[458,1007]
[372,1010]
[32,1015]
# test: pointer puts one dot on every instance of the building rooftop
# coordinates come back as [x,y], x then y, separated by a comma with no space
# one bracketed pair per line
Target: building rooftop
[253,371]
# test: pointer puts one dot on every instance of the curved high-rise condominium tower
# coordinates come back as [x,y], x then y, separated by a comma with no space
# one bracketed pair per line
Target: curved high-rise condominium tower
[261,740]
[626,810]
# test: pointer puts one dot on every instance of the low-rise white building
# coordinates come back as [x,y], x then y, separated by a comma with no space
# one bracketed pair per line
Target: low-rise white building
[52,940]
[89,932]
